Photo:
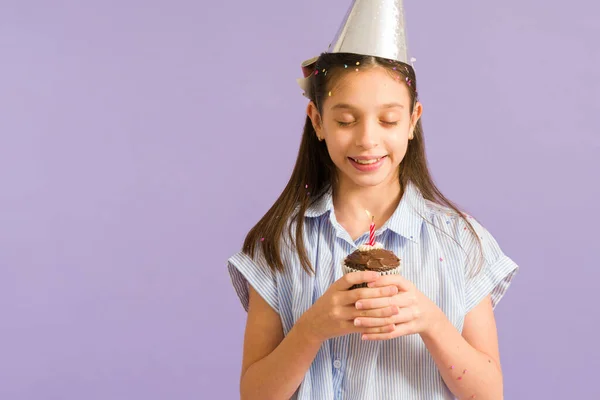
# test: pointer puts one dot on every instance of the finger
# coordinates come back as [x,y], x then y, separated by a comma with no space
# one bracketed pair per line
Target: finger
[403,299]
[402,316]
[349,313]
[374,322]
[349,327]
[355,278]
[352,296]
[397,280]
[380,336]
[379,329]
[376,313]
[399,330]
[344,313]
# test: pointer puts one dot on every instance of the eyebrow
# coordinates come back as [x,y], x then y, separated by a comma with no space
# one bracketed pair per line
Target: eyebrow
[350,107]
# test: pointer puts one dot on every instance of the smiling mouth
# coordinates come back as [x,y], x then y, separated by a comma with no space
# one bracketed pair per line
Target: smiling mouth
[366,161]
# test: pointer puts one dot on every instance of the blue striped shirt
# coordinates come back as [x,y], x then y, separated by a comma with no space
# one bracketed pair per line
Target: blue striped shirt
[439,255]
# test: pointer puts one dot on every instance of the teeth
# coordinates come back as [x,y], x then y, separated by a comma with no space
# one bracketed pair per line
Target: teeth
[367,162]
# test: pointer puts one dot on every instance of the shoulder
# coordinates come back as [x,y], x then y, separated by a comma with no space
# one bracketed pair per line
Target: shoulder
[449,220]
[463,231]
[445,219]
[462,234]
[283,244]
[436,211]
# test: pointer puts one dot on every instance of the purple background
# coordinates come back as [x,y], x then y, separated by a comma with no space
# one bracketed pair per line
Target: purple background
[140,140]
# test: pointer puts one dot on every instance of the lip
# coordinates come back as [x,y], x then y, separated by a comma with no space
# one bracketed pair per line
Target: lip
[367,167]
[366,158]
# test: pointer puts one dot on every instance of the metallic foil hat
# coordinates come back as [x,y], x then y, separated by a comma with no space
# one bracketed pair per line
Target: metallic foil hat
[370,28]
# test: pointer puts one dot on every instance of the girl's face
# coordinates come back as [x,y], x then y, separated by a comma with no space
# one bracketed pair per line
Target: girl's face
[366,124]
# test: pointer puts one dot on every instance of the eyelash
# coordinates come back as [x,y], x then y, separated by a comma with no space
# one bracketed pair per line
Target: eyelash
[345,124]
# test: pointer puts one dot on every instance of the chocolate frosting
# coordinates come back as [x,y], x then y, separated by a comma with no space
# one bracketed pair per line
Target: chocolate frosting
[372,260]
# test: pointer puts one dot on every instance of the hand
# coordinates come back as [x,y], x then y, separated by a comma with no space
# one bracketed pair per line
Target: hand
[416,312]
[334,313]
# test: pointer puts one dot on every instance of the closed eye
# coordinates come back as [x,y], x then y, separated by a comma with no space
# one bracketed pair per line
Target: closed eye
[388,123]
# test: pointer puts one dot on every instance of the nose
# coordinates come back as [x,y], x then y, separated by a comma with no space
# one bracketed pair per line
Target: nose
[366,135]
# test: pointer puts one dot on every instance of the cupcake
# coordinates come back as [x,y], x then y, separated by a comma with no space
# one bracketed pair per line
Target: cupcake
[371,258]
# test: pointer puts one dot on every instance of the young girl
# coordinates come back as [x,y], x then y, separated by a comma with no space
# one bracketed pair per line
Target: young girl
[427,334]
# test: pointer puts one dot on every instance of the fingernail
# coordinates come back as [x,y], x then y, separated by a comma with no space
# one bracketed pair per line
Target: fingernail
[357,322]
[370,284]
[359,306]
[364,337]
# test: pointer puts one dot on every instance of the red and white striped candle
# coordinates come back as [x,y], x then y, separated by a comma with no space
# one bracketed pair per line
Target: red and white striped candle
[371,229]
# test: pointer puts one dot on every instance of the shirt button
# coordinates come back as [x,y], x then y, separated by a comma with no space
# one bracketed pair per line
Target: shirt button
[337,363]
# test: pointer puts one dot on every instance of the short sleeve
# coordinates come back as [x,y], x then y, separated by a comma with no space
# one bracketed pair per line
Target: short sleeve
[245,271]
[489,271]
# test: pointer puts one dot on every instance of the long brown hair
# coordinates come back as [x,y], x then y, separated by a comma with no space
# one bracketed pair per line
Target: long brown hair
[314,172]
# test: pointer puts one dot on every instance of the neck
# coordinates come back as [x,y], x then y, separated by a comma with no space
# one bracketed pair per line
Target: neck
[351,201]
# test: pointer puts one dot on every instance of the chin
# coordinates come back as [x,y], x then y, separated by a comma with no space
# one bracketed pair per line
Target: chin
[371,179]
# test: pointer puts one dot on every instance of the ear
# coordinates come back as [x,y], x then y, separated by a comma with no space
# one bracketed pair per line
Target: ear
[315,117]
[416,115]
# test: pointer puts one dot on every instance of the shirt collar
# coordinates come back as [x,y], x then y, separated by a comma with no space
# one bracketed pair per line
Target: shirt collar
[406,220]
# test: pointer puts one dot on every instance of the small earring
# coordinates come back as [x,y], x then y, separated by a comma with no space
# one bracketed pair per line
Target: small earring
[320,138]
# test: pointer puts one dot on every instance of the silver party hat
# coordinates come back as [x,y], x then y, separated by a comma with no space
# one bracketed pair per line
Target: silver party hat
[371,28]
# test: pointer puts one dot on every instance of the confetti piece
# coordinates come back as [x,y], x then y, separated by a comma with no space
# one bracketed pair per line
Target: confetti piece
[345,66]
[465,371]
[358,63]
[441,259]
[262,239]
[308,193]
[452,367]
[316,71]
[306,186]
[329,94]
[459,378]
[394,68]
